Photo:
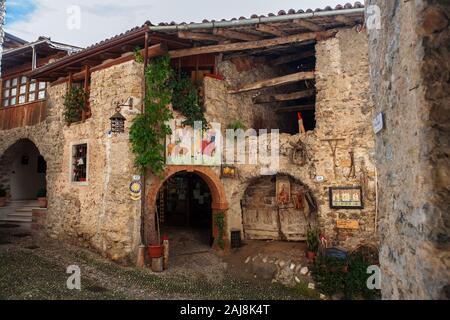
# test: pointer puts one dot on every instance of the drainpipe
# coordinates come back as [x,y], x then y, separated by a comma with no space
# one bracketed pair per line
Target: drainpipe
[259,20]
[33,61]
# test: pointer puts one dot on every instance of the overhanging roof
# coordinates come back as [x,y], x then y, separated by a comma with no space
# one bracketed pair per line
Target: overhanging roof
[182,35]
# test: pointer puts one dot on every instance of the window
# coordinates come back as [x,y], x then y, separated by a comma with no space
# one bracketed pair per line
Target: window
[79,163]
[21,90]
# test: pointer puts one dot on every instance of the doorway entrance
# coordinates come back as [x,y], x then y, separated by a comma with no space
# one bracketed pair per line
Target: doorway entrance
[184,205]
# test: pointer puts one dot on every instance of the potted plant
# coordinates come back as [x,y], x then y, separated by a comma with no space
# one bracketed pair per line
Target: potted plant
[42,198]
[312,243]
[2,197]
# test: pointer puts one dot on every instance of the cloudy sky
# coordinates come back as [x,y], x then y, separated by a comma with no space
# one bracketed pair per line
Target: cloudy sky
[100,19]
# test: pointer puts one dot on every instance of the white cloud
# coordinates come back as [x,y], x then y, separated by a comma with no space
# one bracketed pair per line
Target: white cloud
[101,19]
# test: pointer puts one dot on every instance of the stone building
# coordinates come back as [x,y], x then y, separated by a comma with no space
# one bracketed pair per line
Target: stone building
[409,59]
[260,72]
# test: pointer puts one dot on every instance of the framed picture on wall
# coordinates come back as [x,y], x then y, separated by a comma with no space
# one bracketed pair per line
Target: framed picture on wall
[283,191]
[346,198]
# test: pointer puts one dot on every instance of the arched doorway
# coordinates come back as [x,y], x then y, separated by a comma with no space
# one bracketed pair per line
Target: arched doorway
[277,208]
[23,171]
[205,176]
[184,206]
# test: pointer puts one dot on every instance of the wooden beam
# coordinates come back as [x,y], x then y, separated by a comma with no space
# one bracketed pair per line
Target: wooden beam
[156,50]
[344,20]
[308,25]
[109,55]
[284,96]
[199,36]
[293,57]
[275,82]
[236,35]
[270,30]
[295,108]
[251,44]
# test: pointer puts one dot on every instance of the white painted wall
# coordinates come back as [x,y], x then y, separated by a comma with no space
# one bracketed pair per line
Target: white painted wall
[25,181]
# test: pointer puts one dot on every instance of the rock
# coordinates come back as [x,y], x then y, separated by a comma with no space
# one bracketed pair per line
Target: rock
[281,264]
[304,271]
[297,279]
[247,260]
[322,297]
[292,266]
[311,286]
[264,270]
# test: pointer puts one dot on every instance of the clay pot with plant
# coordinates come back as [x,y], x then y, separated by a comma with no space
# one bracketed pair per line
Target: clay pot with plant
[2,197]
[312,243]
[42,198]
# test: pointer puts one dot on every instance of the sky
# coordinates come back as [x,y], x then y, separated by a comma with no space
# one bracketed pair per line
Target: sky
[85,22]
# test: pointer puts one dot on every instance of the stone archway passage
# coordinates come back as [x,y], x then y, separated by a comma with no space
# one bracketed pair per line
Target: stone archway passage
[219,202]
[23,170]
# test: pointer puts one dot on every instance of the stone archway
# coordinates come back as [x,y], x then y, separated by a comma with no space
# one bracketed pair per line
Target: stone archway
[23,170]
[219,201]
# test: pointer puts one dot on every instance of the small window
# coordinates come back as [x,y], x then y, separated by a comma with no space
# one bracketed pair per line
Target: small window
[79,163]
[22,90]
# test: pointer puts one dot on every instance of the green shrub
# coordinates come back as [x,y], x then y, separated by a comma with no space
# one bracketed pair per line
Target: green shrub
[312,239]
[348,276]
[74,104]
[236,125]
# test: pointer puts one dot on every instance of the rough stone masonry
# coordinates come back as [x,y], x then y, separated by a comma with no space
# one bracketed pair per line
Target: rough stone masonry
[410,71]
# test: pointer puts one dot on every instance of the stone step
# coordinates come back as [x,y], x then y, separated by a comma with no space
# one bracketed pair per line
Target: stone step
[19,214]
[30,209]
[16,220]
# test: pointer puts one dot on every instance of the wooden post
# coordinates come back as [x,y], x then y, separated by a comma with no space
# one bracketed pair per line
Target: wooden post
[86,90]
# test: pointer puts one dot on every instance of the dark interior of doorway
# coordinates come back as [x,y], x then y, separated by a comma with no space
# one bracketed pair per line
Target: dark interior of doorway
[184,203]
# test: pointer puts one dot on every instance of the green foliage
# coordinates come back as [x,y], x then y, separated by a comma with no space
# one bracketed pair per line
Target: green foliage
[138,55]
[186,100]
[149,130]
[2,192]
[312,240]
[74,104]
[348,276]
[236,125]
[42,193]
[220,224]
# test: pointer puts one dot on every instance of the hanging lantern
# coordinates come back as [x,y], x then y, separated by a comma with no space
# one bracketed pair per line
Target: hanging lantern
[117,122]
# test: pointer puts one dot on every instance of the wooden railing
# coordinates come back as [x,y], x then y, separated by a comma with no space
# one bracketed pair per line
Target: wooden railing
[24,115]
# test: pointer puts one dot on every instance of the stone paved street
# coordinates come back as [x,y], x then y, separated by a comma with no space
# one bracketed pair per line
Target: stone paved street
[34,268]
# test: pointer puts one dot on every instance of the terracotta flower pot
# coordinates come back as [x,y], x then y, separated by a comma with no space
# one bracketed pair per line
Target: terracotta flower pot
[42,202]
[311,256]
[155,251]
[2,201]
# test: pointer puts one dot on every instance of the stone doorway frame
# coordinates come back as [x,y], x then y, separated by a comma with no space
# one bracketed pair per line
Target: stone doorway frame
[218,195]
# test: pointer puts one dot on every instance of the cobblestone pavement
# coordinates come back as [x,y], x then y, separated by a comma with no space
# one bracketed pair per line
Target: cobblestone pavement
[35,268]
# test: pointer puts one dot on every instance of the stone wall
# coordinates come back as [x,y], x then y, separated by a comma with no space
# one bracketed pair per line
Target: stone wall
[409,60]
[343,110]
[98,213]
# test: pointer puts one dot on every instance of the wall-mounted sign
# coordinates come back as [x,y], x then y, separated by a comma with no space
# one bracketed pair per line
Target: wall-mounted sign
[320,178]
[378,123]
[193,146]
[347,224]
[346,198]
[228,172]
[135,190]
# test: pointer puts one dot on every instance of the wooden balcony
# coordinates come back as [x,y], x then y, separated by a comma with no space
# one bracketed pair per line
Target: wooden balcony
[23,115]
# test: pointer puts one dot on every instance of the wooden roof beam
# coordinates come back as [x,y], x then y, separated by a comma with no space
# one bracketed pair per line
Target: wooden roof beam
[344,20]
[293,57]
[199,36]
[295,108]
[270,30]
[264,98]
[296,38]
[274,82]
[308,25]
[236,35]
